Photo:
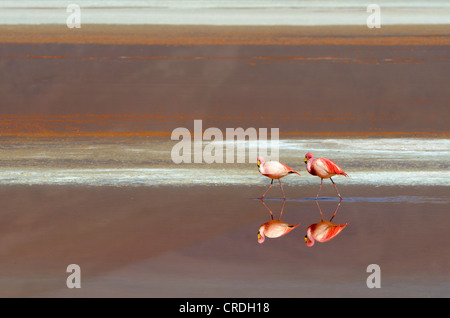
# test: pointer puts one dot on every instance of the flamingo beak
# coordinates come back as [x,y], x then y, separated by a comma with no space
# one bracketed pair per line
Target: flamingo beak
[260,238]
[306,239]
[259,163]
[306,160]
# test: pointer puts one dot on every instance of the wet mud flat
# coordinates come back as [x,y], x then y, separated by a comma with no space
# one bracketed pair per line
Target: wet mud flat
[188,241]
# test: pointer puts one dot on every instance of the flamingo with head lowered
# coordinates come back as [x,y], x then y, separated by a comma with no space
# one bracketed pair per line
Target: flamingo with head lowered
[274,170]
[324,230]
[274,228]
[324,168]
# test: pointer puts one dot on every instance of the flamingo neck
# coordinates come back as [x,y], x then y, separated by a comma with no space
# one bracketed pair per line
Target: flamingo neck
[261,236]
[310,240]
[309,164]
[261,168]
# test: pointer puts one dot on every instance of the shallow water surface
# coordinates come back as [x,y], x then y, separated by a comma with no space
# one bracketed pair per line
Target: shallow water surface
[201,241]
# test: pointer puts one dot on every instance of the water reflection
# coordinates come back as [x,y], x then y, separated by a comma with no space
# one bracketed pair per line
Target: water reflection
[274,228]
[324,230]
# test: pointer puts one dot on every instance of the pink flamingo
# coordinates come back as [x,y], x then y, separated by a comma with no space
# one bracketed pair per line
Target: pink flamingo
[274,170]
[274,228]
[324,230]
[323,168]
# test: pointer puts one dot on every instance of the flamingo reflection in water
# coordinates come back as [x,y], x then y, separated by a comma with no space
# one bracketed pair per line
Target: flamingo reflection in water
[324,230]
[274,228]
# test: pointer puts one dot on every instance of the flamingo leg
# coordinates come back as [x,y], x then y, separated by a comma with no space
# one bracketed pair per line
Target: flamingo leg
[336,189]
[321,182]
[271,183]
[282,209]
[321,214]
[270,211]
[335,211]
[281,188]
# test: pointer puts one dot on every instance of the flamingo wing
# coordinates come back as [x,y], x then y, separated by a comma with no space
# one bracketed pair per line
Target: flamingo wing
[329,231]
[277,228]
[275,170]
[289,169]
[331,167]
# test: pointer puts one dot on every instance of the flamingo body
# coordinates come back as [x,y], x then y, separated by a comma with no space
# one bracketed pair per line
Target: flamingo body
[274,169]
[324,168]
[274,229]
[322,232]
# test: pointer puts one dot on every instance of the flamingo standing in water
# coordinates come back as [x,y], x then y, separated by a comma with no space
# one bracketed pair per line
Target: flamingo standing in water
[324,168]
[274,228]
[274,170]
[324,230]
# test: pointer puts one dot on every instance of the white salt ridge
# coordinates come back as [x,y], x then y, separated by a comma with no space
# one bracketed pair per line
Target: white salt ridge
[408,147]
[371,161]
[192,176]
[225,12]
